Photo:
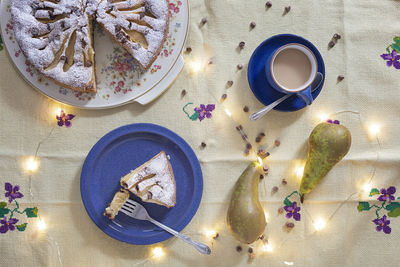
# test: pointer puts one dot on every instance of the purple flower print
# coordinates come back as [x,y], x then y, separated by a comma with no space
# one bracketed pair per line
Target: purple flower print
[64,119]
[392,59]
[7,225]
[293,211]
[12,192]
[383,223]
[387,194]
[334,122]
[205,111]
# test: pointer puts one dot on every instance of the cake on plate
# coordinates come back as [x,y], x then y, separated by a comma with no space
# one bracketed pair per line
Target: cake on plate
[57,39]
[116,204]
[153,181]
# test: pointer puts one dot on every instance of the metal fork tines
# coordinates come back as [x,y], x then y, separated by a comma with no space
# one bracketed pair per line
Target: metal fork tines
[135,210]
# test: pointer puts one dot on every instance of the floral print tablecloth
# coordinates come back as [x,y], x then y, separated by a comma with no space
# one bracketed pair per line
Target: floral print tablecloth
[211,114]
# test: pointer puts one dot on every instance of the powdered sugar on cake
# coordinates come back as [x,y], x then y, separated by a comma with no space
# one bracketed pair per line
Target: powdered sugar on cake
[44,29]
[153,181]
[148,19]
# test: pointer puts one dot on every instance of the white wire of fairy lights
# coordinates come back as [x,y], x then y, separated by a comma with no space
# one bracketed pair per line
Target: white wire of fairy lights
[31,166]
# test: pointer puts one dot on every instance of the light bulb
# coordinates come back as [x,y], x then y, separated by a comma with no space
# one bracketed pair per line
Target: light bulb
[31,164]
[158,252]
[323,117]
[196,65]
[268,247]
[299,171]
[260,161]
[41,225]
[374,129]
[210,233]
[319,224]
[367,187]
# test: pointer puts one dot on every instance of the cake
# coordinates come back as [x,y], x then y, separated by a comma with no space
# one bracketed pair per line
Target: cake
[56,35]
[116,204]
[153,181]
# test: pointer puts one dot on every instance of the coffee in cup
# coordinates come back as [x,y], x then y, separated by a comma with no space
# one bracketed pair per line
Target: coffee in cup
[291,69]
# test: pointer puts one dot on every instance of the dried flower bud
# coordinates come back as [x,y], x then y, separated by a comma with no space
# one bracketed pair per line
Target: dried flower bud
[252,24]
[274,189]
[246,151]
[289,225]
[229,83]
[250,250]
[248,146]
[239,66]
[331,44]
[268,4]
[258,139]
[224,96]
[188,49]
[337,36]
[204,21]
[287,9]
[183,93]
[340,78]
[246,109]
[261,176]
[238,248]
[277,142]
[284,182]
[241,45]
[265,168]
[203,144]
[280,210]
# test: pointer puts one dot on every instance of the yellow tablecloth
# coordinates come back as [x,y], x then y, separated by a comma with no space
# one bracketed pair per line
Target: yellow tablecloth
[370,87]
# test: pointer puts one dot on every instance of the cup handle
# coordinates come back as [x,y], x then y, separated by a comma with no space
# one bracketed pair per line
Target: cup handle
[306,96]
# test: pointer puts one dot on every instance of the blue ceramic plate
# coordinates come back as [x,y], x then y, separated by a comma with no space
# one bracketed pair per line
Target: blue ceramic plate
[124,149]
[257,78]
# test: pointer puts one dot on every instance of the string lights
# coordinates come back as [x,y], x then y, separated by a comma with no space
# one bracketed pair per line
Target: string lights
[211,233]
[41,225]
[374,129]
[31,164]
[158,252]
[267,247]
[319,224]
[299,171]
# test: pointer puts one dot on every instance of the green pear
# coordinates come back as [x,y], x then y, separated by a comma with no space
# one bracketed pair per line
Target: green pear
[246,218]
[328,144]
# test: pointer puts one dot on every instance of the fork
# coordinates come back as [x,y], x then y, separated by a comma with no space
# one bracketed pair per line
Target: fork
[137,211]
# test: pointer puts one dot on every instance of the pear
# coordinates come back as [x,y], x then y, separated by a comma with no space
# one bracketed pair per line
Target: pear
[328,144]
[246,218]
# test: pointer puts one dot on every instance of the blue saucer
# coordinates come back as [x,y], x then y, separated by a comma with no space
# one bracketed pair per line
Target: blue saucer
[265,93]
[124,149]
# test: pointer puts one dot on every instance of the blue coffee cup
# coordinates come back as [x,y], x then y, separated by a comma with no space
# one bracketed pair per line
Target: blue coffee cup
[304,90]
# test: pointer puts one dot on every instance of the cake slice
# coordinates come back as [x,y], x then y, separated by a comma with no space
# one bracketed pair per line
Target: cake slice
[153,181]
[55,37]
[116,204]
[140,26]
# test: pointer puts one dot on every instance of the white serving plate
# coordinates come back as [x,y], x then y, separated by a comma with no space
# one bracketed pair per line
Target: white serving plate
[119,81]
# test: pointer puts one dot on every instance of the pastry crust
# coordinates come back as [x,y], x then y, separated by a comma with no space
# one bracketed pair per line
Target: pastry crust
[116,204]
